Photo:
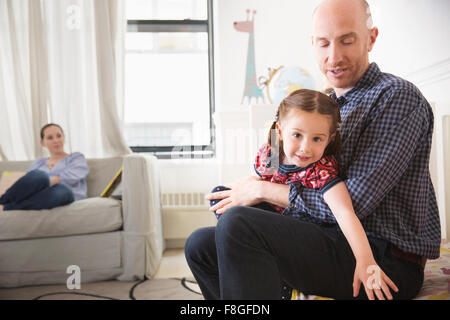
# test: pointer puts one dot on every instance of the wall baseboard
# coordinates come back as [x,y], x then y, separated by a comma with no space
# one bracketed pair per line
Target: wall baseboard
[175,243]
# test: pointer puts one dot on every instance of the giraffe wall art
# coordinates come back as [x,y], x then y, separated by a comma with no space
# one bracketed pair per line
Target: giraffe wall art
[251,89]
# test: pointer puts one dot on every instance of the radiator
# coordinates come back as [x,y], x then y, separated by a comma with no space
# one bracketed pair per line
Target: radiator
[184,200]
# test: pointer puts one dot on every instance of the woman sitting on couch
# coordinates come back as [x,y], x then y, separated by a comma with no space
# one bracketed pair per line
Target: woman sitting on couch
[50,182]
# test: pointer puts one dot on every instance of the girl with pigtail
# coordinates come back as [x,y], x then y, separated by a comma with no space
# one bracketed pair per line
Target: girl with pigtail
[303,150]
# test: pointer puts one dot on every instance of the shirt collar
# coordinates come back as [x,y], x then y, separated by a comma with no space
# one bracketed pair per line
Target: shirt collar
[291,168]
[366,80]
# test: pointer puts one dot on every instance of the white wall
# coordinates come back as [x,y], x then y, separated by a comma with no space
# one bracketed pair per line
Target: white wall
[189,175]
[414,43]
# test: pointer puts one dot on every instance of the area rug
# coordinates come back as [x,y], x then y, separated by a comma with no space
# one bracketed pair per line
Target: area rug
[155,289]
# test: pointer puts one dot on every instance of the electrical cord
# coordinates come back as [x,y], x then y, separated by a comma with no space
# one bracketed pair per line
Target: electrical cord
[76,293]
[131,293]
[134,287]
[183,283]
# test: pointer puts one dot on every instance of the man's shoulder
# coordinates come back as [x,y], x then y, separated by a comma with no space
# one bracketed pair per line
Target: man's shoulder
[393,94]
[390,85]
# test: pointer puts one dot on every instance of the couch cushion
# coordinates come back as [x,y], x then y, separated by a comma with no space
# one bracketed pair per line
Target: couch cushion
[14,166]
[92,215]
[101,171]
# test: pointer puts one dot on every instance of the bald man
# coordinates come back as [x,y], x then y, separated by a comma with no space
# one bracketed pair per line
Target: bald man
[386,139]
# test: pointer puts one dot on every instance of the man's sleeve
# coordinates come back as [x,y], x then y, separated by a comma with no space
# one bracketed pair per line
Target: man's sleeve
[382,156]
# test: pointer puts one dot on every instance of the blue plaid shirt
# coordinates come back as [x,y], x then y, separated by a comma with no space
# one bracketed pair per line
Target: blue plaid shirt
[386,133]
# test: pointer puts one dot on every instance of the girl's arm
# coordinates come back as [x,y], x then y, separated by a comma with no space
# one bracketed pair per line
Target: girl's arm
[340,203]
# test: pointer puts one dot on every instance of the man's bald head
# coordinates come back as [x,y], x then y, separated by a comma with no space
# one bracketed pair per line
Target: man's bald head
[343,36]
[361,7]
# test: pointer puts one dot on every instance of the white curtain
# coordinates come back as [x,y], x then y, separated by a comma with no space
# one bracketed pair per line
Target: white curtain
[61,61]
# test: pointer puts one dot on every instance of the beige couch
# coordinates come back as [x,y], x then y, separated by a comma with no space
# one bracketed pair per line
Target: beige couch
[106,238]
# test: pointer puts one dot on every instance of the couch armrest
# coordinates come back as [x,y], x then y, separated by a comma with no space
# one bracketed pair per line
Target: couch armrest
[143,241]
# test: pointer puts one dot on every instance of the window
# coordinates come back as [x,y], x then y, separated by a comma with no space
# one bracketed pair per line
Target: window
[169,89]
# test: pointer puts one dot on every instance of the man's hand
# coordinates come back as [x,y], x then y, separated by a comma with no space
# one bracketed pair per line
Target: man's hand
[244,192]
[54,180]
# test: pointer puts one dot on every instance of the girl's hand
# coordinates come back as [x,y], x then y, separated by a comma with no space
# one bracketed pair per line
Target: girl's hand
[244,192]
[374,279]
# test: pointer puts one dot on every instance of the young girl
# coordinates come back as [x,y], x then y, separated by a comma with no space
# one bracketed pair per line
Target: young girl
[50,182]
[302,147]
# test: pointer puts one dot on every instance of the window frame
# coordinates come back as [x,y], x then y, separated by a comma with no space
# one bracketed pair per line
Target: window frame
[186,26]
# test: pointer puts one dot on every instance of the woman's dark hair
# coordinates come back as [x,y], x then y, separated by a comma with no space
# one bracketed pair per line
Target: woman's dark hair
[50,125]
[310,101]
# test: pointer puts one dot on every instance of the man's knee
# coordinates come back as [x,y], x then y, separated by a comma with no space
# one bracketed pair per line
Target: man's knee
[232,221]
[197,242]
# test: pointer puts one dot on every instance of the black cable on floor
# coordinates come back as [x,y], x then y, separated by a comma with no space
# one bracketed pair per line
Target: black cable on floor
[134,287]
[131,293]
[77,293]
[183,283]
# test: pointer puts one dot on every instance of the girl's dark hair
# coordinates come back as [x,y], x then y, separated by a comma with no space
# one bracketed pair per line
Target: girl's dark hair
[50,125]
[310,101]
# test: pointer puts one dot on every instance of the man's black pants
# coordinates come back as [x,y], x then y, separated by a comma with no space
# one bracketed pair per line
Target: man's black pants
[250,251]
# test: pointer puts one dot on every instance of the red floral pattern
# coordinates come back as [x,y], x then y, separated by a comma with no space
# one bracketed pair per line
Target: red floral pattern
[315,176]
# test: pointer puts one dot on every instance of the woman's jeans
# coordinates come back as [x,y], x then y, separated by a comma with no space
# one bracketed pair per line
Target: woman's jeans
[33,192]
[252,251]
